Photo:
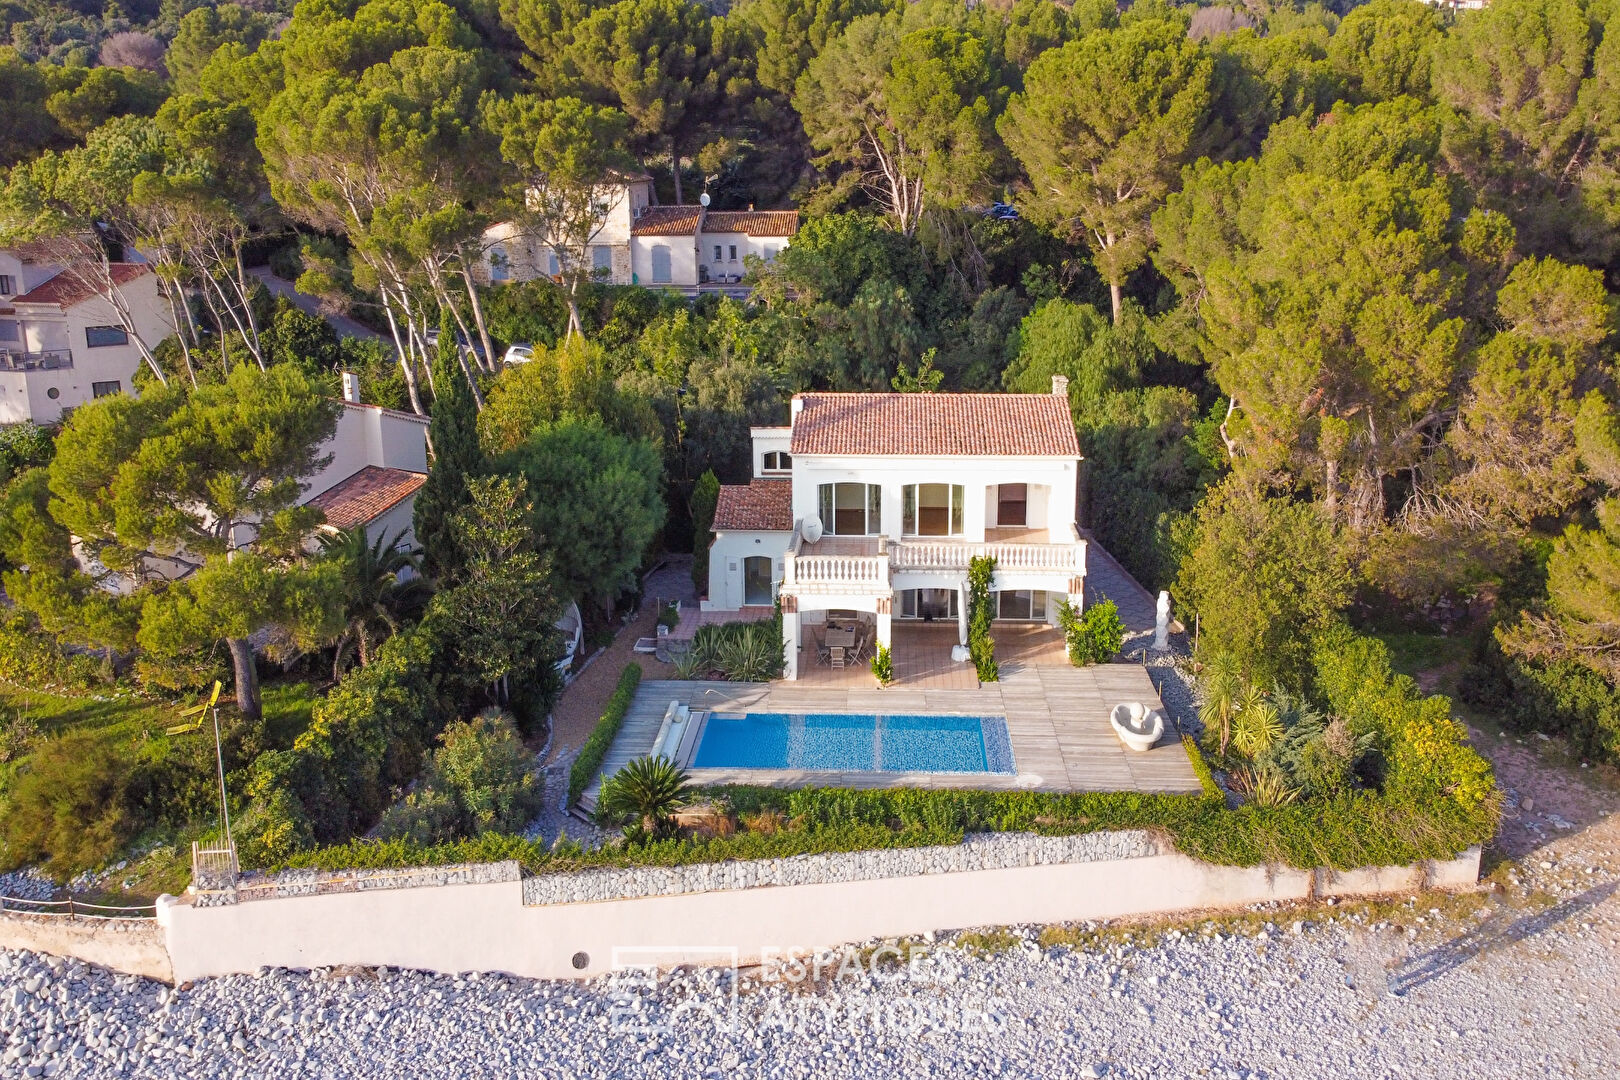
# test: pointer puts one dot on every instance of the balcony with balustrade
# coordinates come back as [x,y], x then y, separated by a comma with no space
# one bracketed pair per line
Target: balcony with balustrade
[869,565]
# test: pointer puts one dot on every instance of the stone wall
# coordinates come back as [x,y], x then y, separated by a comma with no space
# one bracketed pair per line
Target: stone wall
[983,851]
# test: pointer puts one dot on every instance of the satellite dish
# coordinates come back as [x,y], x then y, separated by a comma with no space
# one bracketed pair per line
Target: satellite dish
[811,529]
[703,199]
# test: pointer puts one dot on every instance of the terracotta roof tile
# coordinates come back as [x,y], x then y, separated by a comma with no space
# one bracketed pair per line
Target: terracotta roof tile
[764,505]
[366,494]
[936,425]
[70,287]
[753,222]
[667,221]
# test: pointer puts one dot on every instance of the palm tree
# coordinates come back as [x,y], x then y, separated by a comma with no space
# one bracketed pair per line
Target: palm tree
[374,594]
[649,790]
[1219,688]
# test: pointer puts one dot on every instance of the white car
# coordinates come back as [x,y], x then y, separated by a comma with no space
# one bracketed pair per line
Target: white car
[521,353]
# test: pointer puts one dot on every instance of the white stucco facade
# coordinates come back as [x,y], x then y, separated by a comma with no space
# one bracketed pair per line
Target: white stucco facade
[55,355]
[642,243]
[892,534]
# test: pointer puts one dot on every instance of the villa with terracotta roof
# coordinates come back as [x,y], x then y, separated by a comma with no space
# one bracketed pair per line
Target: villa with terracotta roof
[866,509]
[688,248]
[378,462]
[63,338]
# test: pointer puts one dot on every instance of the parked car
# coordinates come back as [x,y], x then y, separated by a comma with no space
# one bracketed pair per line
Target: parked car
[520,353]
[473,347]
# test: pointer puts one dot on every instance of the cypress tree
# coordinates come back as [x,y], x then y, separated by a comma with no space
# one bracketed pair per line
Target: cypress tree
[705,494]
[457,458]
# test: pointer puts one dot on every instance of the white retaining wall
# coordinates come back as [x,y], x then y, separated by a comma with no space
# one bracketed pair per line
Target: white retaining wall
[487,926]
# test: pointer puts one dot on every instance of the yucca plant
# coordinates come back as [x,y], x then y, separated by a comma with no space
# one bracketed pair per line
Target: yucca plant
[691,664]
[1263,787]
[647,793]
[746,655]
[1258,724]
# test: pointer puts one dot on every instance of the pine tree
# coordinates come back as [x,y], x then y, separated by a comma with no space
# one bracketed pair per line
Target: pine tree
[457,458]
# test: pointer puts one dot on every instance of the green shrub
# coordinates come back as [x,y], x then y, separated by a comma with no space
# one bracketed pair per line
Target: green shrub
[883,665]
[1426,751]
[1557,697]
[480,779]
[32,658]
[669,617]
[538,857]
[592,754]
[71,806]
[981,647]
[1095,637]
[365,740]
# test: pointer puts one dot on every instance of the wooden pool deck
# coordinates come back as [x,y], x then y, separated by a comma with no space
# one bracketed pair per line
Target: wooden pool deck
[1057,718]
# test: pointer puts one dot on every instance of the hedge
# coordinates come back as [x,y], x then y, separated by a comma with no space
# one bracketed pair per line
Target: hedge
[537,856]
[1353,831]
[592,754]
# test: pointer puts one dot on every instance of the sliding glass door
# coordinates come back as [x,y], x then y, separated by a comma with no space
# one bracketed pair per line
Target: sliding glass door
[933,509]
[851,509]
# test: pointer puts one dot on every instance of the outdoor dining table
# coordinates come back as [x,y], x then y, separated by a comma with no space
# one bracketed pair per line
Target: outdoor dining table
[844,636]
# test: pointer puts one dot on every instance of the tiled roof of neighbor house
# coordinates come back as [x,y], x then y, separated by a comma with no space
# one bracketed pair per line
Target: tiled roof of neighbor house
[753,222]
[944,425]
[370,492]
[666,221]
[69,287]
[764,505]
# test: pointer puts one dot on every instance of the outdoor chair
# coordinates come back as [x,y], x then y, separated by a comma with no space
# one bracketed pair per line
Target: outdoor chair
[837,656]
[822,654]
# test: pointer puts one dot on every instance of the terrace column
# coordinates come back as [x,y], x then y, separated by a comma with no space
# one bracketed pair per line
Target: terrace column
[962,613]
[885,620]
[791,634]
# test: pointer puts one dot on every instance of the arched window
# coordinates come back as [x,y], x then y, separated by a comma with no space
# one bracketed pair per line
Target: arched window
[778,461]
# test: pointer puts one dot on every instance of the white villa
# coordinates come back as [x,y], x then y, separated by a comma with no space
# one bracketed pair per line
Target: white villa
[379,463]
[875,503]
[680,247]
[62,341]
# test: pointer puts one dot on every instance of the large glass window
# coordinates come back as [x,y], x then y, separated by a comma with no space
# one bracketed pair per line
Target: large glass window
[1021,604]
[933,509]
[602,258]
[929,604]
[851,509]
[104,389]
[97,336]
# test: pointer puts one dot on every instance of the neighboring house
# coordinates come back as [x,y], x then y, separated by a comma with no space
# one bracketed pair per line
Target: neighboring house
[62,342]
[379,463]
[876,502]
[679,247]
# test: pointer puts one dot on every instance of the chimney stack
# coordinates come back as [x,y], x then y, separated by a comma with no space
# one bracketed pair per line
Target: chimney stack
[351,388]
[796,407]
[1060,386]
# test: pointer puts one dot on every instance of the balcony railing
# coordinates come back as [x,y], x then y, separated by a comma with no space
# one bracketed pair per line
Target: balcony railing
[835,573]
[49,360]
[949,555]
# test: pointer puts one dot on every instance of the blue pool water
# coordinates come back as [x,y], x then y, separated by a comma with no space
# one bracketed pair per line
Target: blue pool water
[842,742]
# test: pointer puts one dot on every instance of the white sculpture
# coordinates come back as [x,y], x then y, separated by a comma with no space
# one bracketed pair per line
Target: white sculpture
[1161,624]
[1137,726]
[811,529]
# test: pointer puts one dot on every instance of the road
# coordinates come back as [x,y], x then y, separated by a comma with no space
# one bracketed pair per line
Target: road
[344,325]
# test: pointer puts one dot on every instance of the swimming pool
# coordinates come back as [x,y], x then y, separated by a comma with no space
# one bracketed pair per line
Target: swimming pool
[841,742]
